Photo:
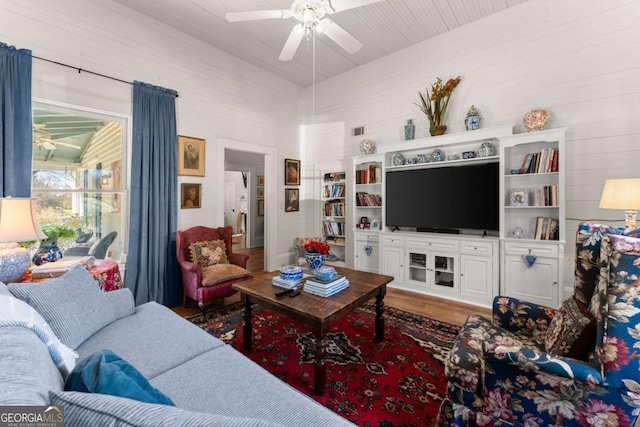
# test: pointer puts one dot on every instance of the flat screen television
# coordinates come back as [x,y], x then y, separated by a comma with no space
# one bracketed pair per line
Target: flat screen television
[443,198]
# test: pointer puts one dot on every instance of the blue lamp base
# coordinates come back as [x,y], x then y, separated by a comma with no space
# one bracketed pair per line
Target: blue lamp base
[14,262]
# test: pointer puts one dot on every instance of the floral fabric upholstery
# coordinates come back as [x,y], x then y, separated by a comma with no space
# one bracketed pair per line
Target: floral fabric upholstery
[207,253]
[572,331]
[497,377]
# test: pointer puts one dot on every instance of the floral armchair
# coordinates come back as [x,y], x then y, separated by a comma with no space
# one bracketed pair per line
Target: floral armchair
[501,372]
[203,278]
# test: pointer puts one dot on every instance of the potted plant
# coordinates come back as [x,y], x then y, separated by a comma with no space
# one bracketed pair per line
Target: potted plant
[316,253]
[435,105]
[49,249]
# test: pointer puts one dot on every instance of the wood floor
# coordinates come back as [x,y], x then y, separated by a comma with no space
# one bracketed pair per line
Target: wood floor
[435,308]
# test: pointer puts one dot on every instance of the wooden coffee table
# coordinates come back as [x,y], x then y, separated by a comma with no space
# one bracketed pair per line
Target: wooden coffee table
[316,311]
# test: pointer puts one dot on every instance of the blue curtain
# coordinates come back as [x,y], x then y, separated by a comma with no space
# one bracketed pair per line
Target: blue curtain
[16,145]
[151,262]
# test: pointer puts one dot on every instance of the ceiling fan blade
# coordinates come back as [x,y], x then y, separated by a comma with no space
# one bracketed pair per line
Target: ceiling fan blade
[339,35]
[291,46]
[257,14]
[64,144]
[340,5]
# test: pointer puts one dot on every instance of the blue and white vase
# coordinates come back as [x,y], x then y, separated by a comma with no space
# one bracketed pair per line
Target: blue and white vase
[48,252]
[314,260]
[472,121]
[409,130]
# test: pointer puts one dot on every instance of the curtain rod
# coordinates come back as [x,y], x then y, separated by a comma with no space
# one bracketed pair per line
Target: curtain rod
[80,70]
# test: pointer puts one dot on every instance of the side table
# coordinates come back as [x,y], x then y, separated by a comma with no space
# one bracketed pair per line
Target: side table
[105,272]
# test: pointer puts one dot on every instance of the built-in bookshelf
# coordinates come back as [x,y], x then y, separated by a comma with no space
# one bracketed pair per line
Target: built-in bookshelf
[334,214]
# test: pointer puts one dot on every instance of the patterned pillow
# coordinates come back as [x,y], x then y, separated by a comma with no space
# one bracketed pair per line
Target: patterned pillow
[572,331]
[209,252]
[221,273]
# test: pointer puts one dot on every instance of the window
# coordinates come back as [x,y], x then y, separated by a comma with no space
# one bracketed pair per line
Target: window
[78,178]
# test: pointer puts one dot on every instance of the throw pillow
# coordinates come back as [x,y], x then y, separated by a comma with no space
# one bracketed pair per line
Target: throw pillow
[122,302]
[4,290]
[106,373]
[73,304]
[82,409]
[572,331]
[222,272]
[209,252]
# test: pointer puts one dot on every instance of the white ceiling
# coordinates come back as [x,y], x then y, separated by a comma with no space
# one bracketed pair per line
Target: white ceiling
[382,28]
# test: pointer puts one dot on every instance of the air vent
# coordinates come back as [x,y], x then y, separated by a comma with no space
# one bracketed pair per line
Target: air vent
[358,131]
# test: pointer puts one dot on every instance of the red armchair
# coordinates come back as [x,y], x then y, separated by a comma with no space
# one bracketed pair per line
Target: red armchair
[191,273]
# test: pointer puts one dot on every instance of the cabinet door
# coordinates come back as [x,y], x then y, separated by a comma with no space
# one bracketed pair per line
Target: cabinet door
[537,284]
[366,262]
[476,277]
[392,262]
[444,271]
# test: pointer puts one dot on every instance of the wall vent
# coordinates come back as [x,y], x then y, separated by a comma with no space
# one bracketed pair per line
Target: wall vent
[358,131]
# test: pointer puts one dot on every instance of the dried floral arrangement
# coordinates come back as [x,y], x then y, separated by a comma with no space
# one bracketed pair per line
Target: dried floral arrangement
[435,105]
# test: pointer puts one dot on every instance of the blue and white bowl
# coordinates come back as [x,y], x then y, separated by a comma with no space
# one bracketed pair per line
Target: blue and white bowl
[291,272]
[325,273]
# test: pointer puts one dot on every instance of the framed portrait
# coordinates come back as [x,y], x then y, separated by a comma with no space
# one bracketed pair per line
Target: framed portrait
[260,179]
[190,156]
[260,207]
[291,172]
[291,200]
[260,193]
[375,224]
[519,197]
[190,196]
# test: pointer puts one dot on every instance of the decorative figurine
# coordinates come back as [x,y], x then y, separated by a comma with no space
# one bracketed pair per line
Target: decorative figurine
[367,147]
[409,130]
[472,121]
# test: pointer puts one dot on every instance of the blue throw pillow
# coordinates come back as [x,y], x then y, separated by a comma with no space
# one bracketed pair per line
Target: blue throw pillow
[106,373]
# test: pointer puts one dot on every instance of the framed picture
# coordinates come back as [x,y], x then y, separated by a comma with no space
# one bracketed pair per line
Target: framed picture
[190,156]
[260,193]
[260,179]
[190,196]
[375,224]
[291,200]
[260,207]
[291,172]
[519,197]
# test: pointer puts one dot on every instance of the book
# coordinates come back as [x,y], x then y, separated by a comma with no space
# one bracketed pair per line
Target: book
[55,268]
[538,233]
[325,283]
[288,284]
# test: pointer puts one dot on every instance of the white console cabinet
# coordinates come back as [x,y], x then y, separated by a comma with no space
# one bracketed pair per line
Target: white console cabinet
[367,252]
[455,267]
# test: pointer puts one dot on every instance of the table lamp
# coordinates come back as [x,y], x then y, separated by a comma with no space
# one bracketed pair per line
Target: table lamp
[18,223]
[623,194]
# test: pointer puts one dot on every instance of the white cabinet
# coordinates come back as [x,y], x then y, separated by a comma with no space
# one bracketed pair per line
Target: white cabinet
[367,252]
[538,283]
[479,270]
[393,256]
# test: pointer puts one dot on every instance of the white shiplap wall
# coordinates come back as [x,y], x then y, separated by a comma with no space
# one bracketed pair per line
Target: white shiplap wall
[576,58]
[222,99]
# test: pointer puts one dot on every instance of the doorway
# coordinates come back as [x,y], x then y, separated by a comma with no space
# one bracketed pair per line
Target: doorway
[244,190]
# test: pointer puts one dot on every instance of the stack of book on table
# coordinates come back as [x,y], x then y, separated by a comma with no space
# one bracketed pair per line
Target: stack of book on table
[325,288]
[59,267]
[288,284]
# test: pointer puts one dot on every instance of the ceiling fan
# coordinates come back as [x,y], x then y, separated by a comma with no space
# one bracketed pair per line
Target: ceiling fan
[43,139]
[311,15]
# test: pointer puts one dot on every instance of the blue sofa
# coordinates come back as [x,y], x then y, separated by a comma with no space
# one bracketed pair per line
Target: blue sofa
[210,383]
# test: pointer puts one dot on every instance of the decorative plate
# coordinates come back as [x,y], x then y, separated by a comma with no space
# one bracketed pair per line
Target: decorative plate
[397,159]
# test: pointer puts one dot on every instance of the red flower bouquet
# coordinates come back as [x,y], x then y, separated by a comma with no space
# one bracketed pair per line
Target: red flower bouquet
[316,247]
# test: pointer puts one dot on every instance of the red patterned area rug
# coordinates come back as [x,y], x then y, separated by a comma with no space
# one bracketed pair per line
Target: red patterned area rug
[398,382]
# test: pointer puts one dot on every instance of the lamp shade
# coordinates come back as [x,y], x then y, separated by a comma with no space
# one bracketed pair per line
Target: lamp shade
[18,220]
[623,194]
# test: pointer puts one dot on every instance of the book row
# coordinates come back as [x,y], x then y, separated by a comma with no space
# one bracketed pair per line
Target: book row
[544,161]
[335,209]
[371,175]
[334,190]
[333,228]
[366,199]
[546,196]
[546,229]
